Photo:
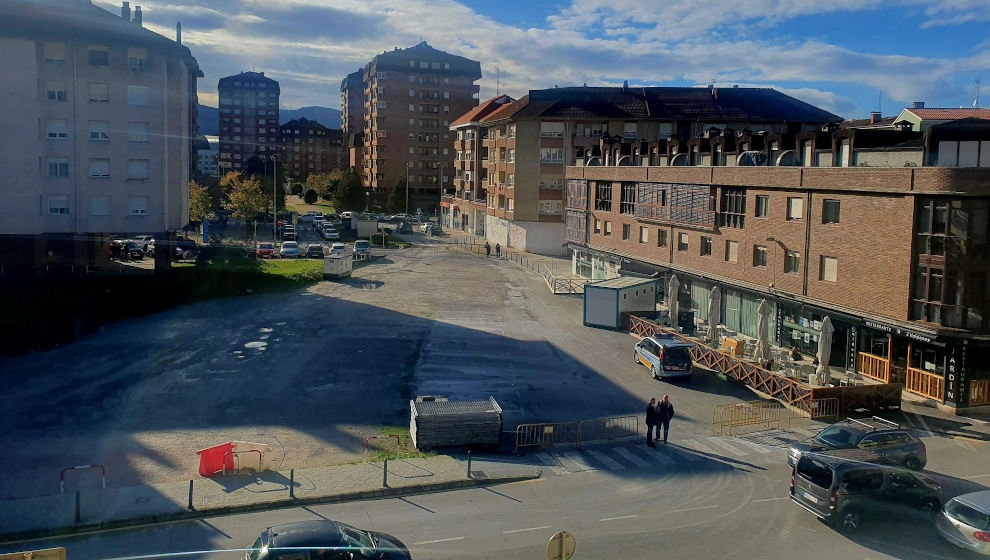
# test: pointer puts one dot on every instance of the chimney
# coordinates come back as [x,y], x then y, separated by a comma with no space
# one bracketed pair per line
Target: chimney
[137,15]
[875,117]
[918,105]
[125,11]
[178,32]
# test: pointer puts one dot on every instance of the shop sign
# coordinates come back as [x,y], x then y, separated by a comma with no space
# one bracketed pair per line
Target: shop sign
[851,335]
[898,331]
[956,377]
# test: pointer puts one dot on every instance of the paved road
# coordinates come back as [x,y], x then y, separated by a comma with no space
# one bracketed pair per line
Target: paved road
[703,497]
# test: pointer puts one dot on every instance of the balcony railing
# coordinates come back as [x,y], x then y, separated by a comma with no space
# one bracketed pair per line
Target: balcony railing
[873,366]
[551,134]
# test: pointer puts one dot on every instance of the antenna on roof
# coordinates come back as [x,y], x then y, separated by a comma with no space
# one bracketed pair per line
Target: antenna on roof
[976,102]
[498,80]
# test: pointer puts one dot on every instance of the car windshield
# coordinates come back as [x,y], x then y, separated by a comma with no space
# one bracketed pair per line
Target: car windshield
[357,538]
[266,246]
[979,520]
[361,244]
[839,436]
[289,245]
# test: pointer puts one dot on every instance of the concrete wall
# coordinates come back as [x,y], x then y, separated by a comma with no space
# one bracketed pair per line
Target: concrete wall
[542,238]
[903,158]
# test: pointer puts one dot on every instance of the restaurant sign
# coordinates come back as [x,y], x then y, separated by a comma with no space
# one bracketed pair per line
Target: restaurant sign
[898,331]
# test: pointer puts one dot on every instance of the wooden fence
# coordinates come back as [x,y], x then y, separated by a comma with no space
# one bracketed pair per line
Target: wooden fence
[979,392]
[924,383]
[876,367]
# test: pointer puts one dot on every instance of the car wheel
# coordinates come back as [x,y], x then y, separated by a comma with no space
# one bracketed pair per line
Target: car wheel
[849,520]
[653,370]
[912,463]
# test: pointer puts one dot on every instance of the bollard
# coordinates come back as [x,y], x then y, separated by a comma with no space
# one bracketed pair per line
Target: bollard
[190,505]
[469,464]
[385,474]
[292,483]
[78,513]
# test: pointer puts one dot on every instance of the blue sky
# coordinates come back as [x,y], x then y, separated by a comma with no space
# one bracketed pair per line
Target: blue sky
[842,55]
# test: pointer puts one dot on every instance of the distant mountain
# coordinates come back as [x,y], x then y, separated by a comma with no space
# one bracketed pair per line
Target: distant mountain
[324,115]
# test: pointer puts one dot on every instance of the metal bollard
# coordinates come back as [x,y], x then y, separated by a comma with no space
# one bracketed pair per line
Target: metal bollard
[385,474]
[190,505]
[469,464]
[292,483]
[78,513]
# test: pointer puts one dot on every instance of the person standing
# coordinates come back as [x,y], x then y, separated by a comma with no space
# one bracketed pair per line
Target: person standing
[488,249]
[651,421]
[665,411]
[498,251]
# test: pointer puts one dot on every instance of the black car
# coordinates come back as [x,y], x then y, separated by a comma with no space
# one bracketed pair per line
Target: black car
[132,250]
[327,539]
[185,248]
[885,438]
[314,251]
[844,488]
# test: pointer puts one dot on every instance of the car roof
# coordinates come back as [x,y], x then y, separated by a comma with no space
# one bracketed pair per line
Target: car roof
[673,342]
[846,459]
[307,533]
[979,500]
[289,243]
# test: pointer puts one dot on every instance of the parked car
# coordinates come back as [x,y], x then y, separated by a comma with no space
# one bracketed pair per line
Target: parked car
[144,241]
[664,356]
[314,251]
[131,250]
[324,538]
[403,227]
[346,215]
[339,249]
[185,248]
[886,439]
[362,247]
[330,233]
[318,221]
[289,249]
[149,251]
[308,216]
[965,521]
[430,228]
[265,250]
[844,489]
[289,235]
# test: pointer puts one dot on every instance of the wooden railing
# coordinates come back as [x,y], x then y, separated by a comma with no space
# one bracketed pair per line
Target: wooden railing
[979,392]
[876,367]
[924,383]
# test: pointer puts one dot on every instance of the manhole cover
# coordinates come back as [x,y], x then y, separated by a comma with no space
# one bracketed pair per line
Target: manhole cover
[479,475]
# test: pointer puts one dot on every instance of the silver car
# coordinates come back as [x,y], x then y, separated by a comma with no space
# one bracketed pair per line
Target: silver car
[965,521]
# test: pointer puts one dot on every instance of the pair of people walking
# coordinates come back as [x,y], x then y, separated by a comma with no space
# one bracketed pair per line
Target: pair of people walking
[488,250]
[657,415]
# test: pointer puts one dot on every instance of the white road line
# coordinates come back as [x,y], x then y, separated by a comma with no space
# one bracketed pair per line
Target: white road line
[577,459]
[977,476]
[660,456]
[630,456]
[609,462]
[546,459]
[692,509]
[526,529]
[759,448]
[618,518]
[721,442]
[694,443]
[769,500]
[438,541]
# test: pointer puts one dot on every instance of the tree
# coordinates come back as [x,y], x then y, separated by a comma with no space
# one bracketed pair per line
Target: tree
[245,198]
[200,202]
[297,189]
[323,183]
[395,202]
[310,196]
[349,194]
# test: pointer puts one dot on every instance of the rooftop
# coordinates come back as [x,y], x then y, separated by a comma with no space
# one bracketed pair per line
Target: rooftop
[949,113]
[482,110]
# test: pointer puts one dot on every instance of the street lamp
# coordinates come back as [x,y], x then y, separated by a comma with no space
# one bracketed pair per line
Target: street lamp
[274,202]
[408,167]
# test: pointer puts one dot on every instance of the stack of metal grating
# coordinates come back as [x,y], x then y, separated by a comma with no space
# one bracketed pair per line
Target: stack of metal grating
[437,422]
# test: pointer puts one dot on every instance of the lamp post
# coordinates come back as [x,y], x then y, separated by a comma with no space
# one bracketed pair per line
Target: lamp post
[274,202]
[408,166]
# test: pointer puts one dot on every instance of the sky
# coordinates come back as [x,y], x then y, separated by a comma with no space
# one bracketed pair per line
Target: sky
[846,56]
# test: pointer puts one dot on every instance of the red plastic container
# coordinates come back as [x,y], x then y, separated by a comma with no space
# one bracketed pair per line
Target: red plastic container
[212,460]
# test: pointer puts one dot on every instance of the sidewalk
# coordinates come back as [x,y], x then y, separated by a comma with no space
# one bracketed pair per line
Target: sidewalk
[47,516]
[560,267]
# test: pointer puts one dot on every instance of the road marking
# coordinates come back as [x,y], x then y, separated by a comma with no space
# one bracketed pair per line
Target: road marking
[527,529]
[769,500]
[759,448]
[439,541]
[546,459]
[660,456]
[805,431]
[608,461]
[525,481]
[700,446]
[718,441]
[576,458]
[692,509]
[618,518]
[630,456]
[978,476]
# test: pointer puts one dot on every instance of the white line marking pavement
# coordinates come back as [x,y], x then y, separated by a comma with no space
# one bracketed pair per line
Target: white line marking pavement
[759,448]
[630,456]
[577,459]
[977,476]
[439,541]
[720,442]
[608,461]
[618,518]
[660,456]
[694,443]
[768,500]
[526,529]
[546,459]
[692,509]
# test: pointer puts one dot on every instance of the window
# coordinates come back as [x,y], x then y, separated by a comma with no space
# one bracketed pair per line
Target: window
[603,197]
[608,228]
[629,130]
[412,77]
[733,214]
[99,56]
[435,65]
[382,105]
[137,132]
[598,226]
[830,211]
[99,130]
[424,64]
[759,255]
[762,205]
[661,237]
[446,108]
[99,93]
[828,271]
[137,59]
[795,208]
[56,91]
[58,205]
[551,207]
[99,168]
[625,231]
[644,234]
[682,242]
[731,251]
[792,262]
[57,129]
[99,205]
[54,52]
[58,167]
[137,169]
[138,206]
[552,129]
[446,66]
[137,95]
[706,246]
[627,204]
[380,75]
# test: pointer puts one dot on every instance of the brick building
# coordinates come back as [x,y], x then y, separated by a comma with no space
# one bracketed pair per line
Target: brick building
[248,119]
[306,146]
[410,97]
[882,230]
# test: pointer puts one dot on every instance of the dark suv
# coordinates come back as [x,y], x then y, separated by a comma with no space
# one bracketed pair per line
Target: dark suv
[887,439]
[325,539]
[843,488]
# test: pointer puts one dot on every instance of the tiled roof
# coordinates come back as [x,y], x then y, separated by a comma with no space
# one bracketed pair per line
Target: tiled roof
[507,110]
[475,114]
[950,113]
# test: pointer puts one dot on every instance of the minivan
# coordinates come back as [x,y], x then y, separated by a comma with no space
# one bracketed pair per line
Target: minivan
[666,357]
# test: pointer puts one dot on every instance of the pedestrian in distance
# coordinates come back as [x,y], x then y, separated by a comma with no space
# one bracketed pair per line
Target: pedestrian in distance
[665,411]
[488,249]
[498,251]
[651,421]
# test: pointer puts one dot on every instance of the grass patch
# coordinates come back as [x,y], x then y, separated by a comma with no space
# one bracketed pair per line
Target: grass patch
[297,270]
[384,447]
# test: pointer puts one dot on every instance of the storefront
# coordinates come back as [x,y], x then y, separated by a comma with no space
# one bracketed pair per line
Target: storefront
[449,215]
[799,326]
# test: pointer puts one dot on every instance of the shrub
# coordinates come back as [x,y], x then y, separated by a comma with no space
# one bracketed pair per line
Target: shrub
[310,197]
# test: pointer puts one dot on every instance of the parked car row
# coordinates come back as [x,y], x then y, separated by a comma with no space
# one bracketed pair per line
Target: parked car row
[144,246]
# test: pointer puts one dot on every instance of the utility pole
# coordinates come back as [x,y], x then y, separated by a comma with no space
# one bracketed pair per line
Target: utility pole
[408,165]
[274,198]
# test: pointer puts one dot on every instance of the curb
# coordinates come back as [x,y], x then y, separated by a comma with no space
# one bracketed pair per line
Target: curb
[381,493]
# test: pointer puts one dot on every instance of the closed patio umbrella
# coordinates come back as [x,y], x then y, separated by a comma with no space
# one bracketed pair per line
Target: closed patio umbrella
[824,350]
[672,289]
[714,314]
[762,353]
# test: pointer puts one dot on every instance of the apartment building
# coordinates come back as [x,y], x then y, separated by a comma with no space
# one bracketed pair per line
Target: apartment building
[464,206]
[410,98]
[530,141]
[207,150]
[248,119]
[100,122]
[352,103]
[885,231]
[306,146]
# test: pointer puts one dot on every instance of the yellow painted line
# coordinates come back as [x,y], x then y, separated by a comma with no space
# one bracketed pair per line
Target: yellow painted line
[974,440]
[526,481]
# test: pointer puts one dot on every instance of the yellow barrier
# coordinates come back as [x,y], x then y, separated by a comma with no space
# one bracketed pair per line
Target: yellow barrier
[725,417]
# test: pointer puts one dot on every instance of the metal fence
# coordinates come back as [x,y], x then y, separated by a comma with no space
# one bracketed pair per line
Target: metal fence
[576,433]
[543,435]
[606,429]
[764,414]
